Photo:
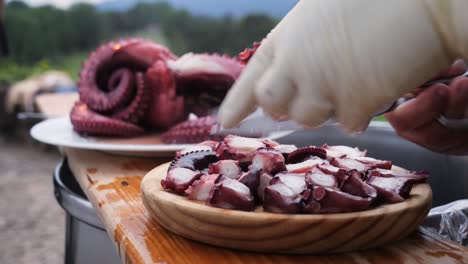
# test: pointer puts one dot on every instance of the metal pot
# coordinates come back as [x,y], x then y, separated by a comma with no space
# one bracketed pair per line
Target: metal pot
[86,240]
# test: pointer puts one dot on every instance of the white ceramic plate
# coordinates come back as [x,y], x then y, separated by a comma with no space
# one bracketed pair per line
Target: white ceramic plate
[59,132]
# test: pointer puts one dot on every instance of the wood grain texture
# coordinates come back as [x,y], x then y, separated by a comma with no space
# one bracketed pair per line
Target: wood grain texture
[112,184]
[298,234]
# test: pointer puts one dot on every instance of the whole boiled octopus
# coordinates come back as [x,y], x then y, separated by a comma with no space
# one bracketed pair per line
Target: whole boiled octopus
[242,173]
[128,87]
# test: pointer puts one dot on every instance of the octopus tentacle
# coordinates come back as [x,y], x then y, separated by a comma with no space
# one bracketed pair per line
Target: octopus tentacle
[136,110]
[85,121]
[192,131]
[95,85]
[166,107]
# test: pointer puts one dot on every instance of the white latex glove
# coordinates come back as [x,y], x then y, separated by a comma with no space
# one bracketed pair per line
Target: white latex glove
[346,59]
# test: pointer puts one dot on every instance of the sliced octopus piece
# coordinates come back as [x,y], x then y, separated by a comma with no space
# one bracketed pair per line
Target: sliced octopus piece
[179,179]
[268,160]
[356,186]
[343,151]
[279,198]
[231,194]
[317,177]
[228,168]
[201,188]
[238,148]
[322,200]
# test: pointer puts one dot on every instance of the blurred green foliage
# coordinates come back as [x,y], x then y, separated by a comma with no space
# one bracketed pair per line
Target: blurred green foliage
[45,37]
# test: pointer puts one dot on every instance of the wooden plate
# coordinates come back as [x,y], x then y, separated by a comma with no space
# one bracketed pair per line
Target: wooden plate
[282,233]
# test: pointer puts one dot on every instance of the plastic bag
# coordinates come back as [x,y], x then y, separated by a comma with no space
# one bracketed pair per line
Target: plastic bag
[450,221]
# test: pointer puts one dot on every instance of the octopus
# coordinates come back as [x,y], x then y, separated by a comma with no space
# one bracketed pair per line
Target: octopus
[132,86]
[240,173]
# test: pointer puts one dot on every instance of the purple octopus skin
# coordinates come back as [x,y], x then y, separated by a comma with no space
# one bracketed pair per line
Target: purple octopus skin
[198,160]
[343,151]
[295,181]
[392,189]
[305,165]
[192,131]
[356,186]
[251,179]
[87,122]
[228,168]
[418,177]
[317,177]
[201,188]
[322,200]
[268,160]
[279,198]
[264,180]
[231,194]
[301,154]
[238,148]
[179,179]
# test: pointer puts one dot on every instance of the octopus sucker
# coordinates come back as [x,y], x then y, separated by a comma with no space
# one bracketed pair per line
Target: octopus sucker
[242,173]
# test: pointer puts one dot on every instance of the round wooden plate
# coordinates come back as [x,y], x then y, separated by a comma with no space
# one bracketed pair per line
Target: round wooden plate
[282,233]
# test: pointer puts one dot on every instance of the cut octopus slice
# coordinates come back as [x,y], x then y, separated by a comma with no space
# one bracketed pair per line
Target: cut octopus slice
[179,179]
[416,176]
[227,168]
[317,177]
[392,189]
[295,181]
[231,194]
[184,170]
[201,188]
[268,160]
[361,164]
[264,181]
[238,148]
[251,179]
[279,198]
[285,150]
[204,146]
[343,151]
[356,186]
[340,174]
[305,165]
[322,200]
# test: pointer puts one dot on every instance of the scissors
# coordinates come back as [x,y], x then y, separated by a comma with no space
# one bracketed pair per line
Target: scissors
[259,124]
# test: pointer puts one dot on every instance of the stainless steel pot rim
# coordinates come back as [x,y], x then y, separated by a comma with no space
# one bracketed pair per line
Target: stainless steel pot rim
[77,206]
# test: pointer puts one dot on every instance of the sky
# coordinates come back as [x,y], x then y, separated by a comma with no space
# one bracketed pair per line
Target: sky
[59,3]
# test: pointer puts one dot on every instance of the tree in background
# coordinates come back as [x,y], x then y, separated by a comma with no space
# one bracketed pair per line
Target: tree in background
[43,35]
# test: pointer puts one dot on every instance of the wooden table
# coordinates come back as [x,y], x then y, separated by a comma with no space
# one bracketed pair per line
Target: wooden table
[112,184]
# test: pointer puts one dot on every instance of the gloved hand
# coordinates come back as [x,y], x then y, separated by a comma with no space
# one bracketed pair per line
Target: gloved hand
[416,120]
[346,59]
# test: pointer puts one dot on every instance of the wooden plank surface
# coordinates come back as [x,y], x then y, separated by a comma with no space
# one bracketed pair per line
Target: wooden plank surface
[112,184]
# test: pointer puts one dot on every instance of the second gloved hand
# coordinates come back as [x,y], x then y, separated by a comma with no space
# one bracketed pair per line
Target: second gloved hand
[340,59]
